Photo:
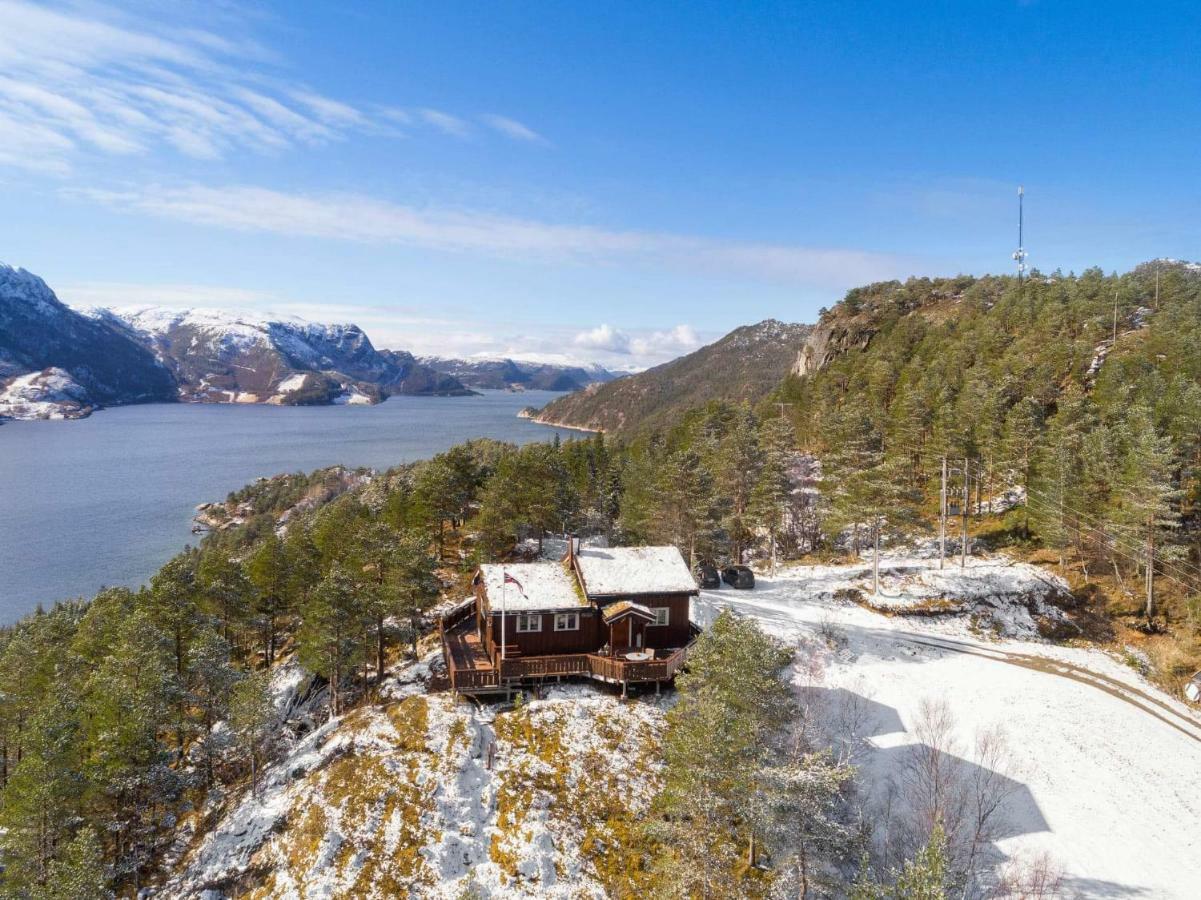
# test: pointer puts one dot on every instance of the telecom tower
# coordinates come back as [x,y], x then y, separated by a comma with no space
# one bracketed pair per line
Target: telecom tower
[1019,255]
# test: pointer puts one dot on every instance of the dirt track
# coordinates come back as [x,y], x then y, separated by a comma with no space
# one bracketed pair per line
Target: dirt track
[1151,705]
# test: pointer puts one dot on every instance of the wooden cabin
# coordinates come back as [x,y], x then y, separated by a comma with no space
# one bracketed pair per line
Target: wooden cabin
[618,615]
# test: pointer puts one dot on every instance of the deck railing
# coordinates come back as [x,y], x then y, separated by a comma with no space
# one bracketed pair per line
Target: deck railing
[607,668]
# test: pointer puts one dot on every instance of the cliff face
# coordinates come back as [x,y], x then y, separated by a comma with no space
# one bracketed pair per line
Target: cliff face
[828,341]
[746,364]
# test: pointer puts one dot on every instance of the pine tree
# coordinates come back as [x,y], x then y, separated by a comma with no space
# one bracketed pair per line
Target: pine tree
[736,463]
[127,703]
[78,873]
[173,605]
[684,513]
[333,619]
[268,570]
[925,876]
[772,493]
[253,719]
[226,593]
[1019,443]
[42,796]
[722,735]
[212,676]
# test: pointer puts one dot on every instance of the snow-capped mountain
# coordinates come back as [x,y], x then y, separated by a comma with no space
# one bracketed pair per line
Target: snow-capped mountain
[57,362]
[515,374]
[220,356]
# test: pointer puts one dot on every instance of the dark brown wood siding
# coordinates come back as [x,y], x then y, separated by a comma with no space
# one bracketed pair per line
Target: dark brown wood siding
[675,633]
[538,643]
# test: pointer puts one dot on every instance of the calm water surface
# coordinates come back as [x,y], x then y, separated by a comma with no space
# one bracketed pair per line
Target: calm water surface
[107,500]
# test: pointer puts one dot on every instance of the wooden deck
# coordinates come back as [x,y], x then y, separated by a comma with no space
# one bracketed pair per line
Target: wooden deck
[471,671]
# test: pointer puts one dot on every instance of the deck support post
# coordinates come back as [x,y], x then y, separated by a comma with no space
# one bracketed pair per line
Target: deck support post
[624,686]
[656,687]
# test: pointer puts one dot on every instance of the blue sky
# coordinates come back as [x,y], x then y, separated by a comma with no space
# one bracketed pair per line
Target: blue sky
[600,181]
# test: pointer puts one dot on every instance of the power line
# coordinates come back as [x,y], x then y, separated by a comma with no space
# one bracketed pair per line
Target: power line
[1126,553]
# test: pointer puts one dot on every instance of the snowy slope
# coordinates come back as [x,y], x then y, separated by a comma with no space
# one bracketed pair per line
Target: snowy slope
[1108,768]
[420,797]
[52,394]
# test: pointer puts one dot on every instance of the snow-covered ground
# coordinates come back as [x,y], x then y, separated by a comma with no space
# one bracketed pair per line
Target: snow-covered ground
[423,797]
[50,394]
[1107,768]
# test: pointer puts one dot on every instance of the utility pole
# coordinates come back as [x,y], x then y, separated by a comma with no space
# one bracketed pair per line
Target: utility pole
[1150,575]
[1157,284]
[942,517]
[876,562]
[963,549]
[1114,342]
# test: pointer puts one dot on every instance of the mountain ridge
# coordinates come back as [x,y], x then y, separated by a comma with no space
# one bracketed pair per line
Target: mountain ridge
[744,365]
[506,373]
[60,362]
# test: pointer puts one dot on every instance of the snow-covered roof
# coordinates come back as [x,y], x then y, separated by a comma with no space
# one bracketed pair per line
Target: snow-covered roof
[623,608]
[612,571]
[540,586]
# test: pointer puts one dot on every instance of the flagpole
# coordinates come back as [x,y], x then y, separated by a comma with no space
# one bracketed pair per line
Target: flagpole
[504,593]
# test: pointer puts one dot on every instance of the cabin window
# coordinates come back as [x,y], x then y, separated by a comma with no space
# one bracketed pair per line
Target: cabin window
[567,621]
[662,615]
[529,623]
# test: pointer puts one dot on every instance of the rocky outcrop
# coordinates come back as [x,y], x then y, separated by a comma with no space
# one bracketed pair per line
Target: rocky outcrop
[828,341]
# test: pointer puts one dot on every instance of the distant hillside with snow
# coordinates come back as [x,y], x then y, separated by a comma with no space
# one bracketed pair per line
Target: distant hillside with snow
[220,356]
[58,362]
[514,374]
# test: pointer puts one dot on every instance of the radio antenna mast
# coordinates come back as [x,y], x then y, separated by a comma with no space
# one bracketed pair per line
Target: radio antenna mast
[1019,255]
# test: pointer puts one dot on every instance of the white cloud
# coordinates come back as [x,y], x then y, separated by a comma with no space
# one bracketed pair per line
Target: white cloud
[86,78]
[603,337]
[512,128]
[675,341]
[353,217]
[445,122]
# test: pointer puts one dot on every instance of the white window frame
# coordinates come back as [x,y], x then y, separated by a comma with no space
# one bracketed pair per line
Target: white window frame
[529,623]
[662,616]
[562,618]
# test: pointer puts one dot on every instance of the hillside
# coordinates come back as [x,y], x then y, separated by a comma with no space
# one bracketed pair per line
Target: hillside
[55,362]
[948,364]
[746,364]
[219,356]
[509,374]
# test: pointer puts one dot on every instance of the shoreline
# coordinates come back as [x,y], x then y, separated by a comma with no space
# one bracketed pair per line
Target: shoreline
[549,424]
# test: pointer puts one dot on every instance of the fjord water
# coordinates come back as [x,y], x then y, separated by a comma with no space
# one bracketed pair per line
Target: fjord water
[106,500]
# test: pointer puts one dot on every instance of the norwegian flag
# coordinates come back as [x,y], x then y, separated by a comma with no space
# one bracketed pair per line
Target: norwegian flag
[509,579]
